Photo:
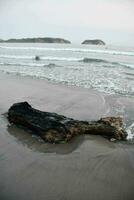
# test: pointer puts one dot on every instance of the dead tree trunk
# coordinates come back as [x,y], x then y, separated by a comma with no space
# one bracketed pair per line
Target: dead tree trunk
[55,128]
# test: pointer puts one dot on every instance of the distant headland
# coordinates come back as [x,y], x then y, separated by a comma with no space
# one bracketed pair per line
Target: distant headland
[93,42]
[38,40]
[51,40]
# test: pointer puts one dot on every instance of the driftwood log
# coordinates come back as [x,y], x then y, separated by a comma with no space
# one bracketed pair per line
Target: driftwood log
[55,128]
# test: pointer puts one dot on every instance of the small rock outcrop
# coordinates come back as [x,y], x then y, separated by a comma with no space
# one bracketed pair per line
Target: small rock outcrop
[38,40]
[93,42]
[37,58]
[55,128]
[93,60]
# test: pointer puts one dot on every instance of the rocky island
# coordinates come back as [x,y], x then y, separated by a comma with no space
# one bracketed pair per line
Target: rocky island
[94,42]
[38,40]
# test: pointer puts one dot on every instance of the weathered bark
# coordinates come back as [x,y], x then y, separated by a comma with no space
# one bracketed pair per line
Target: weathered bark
[55,128]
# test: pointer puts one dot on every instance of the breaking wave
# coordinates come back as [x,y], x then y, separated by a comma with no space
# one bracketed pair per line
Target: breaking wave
[100,51]
[41,57]
[69,59]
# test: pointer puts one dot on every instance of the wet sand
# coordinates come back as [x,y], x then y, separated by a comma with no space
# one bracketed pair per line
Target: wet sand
[89,167]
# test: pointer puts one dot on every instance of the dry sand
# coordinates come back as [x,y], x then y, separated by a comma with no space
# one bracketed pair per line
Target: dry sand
[88,168]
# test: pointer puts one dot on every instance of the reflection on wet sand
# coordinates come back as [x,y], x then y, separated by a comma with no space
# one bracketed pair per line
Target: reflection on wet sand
[37,144]
[89,167]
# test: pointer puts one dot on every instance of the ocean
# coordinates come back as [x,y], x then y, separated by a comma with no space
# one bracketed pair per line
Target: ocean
[107,69]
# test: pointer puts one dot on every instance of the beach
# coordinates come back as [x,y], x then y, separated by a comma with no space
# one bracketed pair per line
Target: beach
[66,100]
[89,167]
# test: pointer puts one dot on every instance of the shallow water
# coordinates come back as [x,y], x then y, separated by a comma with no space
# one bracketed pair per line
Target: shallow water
[107,69]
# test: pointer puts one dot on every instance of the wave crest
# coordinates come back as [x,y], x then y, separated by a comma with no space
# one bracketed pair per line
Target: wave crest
[99,51]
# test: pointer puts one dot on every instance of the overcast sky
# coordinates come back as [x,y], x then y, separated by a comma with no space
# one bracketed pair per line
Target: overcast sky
[76,20]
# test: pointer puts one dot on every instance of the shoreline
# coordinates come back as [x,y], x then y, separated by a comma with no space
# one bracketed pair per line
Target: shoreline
[89,167]
[32,87]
